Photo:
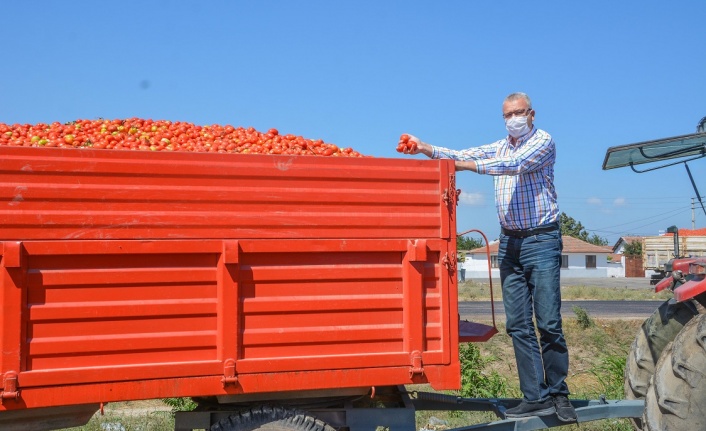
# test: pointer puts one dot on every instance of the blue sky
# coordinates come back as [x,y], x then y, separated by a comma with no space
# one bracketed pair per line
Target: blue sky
[359,73]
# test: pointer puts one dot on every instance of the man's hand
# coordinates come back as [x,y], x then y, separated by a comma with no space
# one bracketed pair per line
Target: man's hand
[410,144]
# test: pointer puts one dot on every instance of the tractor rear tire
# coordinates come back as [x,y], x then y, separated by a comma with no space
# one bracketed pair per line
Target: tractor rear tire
[676,398]
[268,418]
[656,332]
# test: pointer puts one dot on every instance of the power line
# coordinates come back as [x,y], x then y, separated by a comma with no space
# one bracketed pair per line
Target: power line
[667,215]
[672,212]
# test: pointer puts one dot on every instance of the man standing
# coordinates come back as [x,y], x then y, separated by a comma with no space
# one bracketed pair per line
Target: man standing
[529,255]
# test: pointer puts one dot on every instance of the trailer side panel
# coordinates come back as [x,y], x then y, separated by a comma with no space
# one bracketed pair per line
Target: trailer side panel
[133,275]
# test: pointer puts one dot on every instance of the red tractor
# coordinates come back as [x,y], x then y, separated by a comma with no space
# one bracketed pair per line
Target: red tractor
[666,365]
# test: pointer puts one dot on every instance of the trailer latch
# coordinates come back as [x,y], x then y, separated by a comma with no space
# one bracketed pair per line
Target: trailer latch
[416,368]
[229,377]
[9,391]
[451,196]
[449,262]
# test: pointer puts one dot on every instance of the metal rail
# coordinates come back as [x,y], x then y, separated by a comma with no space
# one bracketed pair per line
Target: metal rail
[586,410]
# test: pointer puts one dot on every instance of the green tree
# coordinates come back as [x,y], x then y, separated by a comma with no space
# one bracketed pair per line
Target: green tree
[597,240]
[571,227]
[633,248]
[465,243]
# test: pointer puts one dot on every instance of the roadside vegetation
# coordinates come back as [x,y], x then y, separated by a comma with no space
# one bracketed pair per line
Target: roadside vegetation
[480,291]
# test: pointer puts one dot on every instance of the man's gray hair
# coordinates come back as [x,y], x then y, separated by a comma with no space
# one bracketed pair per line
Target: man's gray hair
[519,95]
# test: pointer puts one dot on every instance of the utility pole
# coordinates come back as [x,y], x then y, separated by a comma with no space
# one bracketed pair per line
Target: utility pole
[693,213]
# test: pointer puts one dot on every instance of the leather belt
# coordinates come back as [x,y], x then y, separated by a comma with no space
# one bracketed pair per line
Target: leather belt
[524,233]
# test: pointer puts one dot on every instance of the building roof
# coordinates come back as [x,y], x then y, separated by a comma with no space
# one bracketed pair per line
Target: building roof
[626,240]
[613,257]
[571,245]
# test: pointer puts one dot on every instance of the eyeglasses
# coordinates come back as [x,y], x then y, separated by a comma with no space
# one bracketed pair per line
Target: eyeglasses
[517,113]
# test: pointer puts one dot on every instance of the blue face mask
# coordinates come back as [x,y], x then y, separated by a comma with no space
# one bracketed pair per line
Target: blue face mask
[517,126]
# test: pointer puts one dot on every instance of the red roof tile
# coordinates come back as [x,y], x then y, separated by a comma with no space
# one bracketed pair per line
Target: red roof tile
[571,245]
[689,232]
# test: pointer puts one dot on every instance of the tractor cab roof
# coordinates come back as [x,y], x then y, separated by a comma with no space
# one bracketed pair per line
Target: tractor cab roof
[684,148]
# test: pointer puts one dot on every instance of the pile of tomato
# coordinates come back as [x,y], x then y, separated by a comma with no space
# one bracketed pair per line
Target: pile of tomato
[163,135]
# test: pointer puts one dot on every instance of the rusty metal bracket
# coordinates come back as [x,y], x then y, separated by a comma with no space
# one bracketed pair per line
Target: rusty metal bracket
[449,261]
[10,391]
[229,376]
[416,360]
[447,196]
[451,196]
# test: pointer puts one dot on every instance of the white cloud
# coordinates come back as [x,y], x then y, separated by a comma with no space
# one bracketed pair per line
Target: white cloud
[619,202]
[595,201]
[471,199]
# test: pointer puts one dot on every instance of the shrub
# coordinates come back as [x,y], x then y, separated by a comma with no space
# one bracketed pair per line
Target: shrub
[476,382]
[610,374]
[584,320]
[180,404]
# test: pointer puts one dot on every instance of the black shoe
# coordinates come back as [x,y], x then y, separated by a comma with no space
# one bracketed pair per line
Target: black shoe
[527,409]
[564,410]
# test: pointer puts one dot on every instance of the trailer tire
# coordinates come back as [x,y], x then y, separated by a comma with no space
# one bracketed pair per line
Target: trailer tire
[656,332]
[676,399]
[271,418]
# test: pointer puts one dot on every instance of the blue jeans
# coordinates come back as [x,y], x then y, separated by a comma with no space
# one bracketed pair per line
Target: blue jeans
[529,271]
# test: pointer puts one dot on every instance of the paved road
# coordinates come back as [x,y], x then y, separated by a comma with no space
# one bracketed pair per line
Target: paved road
[598,309]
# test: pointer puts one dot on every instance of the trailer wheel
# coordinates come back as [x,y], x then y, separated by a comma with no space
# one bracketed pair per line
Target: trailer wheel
[656,332]
[676,399]
[267,418]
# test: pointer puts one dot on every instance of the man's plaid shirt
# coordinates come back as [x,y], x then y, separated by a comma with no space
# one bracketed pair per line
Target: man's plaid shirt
[523,176]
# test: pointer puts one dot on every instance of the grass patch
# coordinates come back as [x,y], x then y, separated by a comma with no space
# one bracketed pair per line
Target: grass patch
[480,291]
[151,415]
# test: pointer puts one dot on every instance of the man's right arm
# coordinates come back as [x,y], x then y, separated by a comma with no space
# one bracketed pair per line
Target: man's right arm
[465,160]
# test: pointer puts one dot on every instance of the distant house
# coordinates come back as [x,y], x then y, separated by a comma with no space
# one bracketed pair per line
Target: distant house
[619,246]
[578,259]
[658,249]
[629,266]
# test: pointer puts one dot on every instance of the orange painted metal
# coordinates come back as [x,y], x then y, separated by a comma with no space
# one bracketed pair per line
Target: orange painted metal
[133,275]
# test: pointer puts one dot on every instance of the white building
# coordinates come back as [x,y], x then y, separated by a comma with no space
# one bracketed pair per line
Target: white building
[578,259]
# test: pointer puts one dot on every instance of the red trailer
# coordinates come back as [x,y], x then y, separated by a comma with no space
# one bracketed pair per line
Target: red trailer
[134,275]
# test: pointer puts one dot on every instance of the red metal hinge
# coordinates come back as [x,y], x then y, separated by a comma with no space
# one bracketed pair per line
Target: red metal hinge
[416,368]
[9,391]
[229,377]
